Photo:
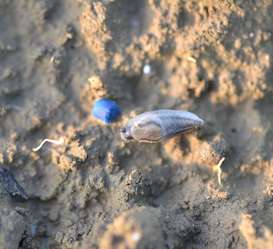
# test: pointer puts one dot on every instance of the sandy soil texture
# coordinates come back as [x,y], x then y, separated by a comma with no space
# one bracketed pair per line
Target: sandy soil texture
[211,57]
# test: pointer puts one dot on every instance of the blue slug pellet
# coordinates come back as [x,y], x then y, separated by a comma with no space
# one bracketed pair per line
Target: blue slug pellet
[106,110]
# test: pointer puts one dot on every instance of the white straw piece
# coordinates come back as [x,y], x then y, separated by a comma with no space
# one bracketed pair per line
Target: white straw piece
[56,142]
[191,59]
[219,170]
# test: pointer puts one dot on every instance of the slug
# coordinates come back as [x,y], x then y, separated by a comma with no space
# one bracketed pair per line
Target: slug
[158,125]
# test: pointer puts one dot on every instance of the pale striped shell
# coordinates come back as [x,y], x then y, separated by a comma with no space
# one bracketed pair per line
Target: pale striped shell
[158,125]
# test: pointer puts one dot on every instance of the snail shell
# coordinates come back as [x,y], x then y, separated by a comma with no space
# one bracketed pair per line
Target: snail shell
[158,125]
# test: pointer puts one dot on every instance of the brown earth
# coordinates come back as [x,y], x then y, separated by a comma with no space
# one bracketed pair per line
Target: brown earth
[211,57]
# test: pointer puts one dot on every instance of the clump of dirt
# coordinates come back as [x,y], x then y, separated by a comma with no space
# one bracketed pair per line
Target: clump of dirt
[265,240]
[211,57]
[145,228]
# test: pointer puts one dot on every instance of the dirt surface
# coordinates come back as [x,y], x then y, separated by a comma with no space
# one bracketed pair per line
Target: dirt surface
[212,57]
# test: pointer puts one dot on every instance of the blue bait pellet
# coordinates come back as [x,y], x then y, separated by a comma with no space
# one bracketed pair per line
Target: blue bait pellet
[106,110]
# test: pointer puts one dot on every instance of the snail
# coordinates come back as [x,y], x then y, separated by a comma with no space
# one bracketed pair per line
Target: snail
[158,125]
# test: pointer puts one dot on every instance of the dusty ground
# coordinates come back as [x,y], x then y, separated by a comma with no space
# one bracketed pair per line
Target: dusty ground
[211,57]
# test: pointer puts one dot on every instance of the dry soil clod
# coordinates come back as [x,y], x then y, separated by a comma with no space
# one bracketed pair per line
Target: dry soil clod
[11,185]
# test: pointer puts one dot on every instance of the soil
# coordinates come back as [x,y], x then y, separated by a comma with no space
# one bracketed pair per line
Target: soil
[211,57]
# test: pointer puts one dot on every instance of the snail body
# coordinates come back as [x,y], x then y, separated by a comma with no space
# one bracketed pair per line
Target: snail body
[158,125]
